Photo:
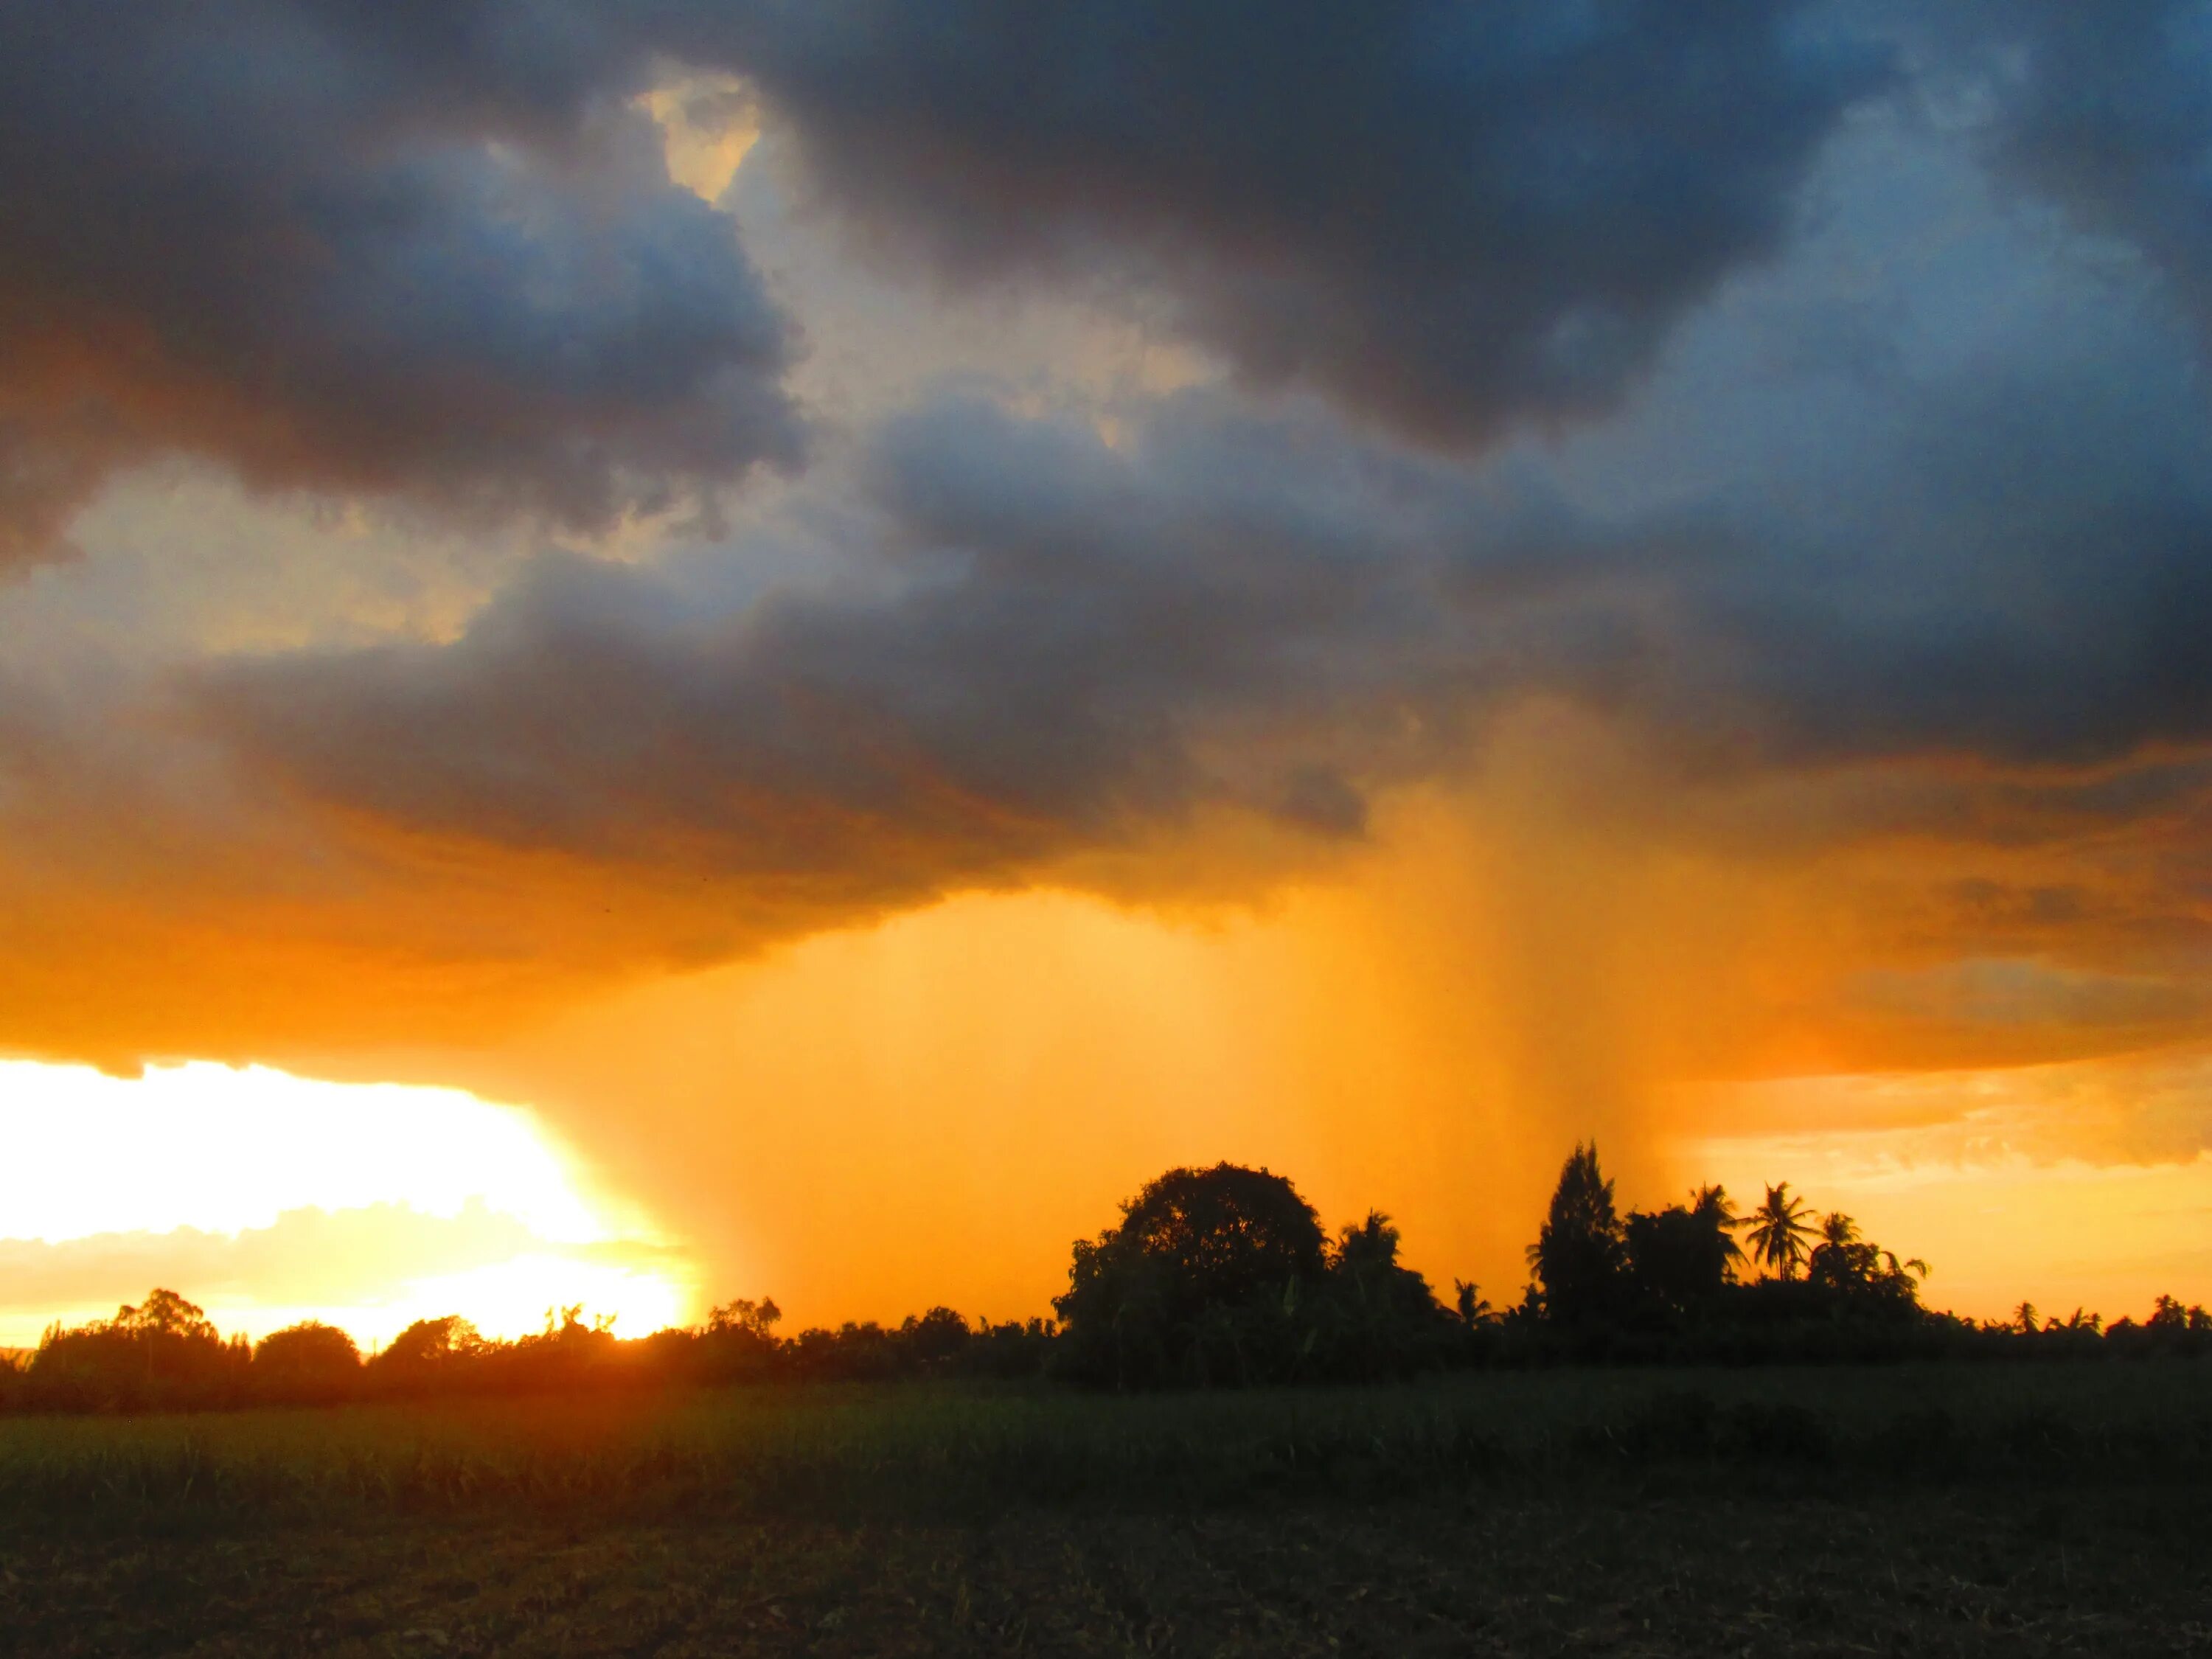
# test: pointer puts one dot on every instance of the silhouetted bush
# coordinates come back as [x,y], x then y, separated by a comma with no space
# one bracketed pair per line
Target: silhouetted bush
[430,1356]
[309,1364]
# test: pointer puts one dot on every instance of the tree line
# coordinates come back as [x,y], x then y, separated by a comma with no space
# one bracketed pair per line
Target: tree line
[1219,1277]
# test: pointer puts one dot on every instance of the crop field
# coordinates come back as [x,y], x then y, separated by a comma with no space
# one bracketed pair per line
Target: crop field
[1939,1510]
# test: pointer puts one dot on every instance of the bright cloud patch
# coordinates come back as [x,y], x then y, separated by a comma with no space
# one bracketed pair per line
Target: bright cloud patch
[268,1197]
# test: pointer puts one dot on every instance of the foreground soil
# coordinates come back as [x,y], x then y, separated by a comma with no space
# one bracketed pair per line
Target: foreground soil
[1601,1572]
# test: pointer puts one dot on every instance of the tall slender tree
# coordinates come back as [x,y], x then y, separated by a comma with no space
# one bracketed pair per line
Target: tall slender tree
[1712,1205]
[1780,1229]
[1580,1256]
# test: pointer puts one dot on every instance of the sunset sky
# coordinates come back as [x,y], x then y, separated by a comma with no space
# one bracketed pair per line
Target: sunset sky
[682,649]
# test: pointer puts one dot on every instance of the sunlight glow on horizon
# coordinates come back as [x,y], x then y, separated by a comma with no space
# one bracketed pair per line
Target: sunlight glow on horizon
[186,1157]
[223,1148]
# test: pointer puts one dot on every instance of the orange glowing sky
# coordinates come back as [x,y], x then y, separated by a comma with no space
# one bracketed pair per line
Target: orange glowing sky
[665,657]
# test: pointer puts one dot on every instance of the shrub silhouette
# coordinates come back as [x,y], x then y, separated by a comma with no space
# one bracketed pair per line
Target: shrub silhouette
[310,1363]
[429,1353]
[739,1343]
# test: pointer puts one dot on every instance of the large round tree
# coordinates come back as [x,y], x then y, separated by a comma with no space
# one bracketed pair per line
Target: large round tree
[1195,1285]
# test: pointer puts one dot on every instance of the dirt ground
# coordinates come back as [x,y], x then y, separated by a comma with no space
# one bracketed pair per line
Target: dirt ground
[2113,1575]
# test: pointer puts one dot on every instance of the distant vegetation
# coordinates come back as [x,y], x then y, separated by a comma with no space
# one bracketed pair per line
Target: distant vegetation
[1221,1277]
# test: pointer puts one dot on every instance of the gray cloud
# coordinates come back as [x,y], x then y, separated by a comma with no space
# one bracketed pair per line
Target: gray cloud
[1929,487]
[417,251]
[2108,110]
[1041,645]
[1452,216]
[2014,565]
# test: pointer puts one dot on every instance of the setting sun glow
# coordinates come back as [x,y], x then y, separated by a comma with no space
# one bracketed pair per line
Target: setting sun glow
[407,1202]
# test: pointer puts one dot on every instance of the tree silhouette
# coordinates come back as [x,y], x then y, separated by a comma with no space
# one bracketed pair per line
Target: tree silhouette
[427,1353]
[1857,1275]
[1374,1316]
[1580,1254]
[1218,1275]
[1779,1229]
[754,1319]
[164,1314]
[1712,1205]
[1205,1270]
[2167,1314]
[166,1351]
[936,1337]
[1684,1255]
[1469,1303]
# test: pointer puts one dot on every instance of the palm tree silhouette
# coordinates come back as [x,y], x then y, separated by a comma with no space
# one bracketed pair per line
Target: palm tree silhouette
[1712,1205]
[1778,1231]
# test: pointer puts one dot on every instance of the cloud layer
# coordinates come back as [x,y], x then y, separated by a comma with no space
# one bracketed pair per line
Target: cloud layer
[363,249]
[1812,401]
[437,255]
[1454,217]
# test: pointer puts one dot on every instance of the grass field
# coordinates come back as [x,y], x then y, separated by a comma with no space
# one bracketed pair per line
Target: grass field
[2049,1509]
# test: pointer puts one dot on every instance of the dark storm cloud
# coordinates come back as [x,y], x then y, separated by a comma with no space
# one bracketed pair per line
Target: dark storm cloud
[1044,645]
[2108,110]
[1929,497]
[429,251]
[421,250]
[1452,215]
[2013,563]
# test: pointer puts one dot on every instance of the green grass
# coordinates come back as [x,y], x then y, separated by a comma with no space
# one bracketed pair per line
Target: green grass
[1940,1511]
[895,1449]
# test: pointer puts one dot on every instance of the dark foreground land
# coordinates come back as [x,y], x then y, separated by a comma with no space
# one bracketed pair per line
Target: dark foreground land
[1999,1509]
